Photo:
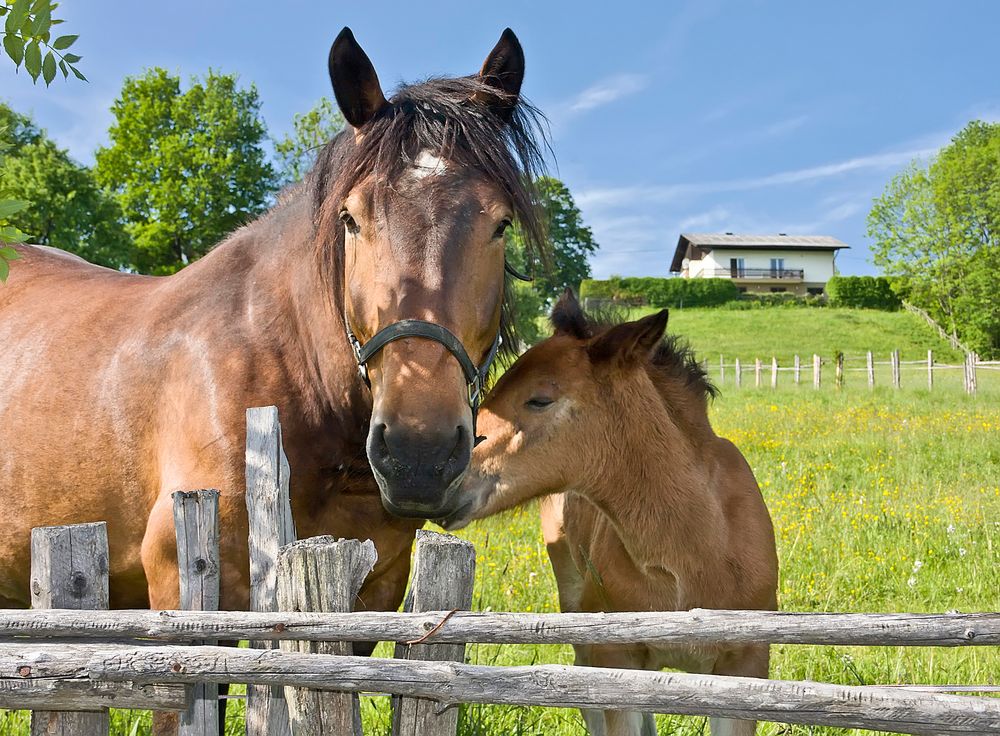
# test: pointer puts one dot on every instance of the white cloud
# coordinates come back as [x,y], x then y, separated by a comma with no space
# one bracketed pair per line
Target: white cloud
[606,91]
[614,196]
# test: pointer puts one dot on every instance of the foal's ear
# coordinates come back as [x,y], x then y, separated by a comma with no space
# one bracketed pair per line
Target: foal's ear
[355,84]
[568,318]
[503,71]
[630,341]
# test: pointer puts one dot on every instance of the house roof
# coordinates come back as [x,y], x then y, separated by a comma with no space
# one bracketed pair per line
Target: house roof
[733,241]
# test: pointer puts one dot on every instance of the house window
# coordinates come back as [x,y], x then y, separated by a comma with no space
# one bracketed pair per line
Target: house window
[778,289]
[815,290]
[777,266]
[737,268]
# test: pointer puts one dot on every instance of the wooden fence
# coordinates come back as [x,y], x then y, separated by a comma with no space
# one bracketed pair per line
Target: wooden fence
[842,365]
[71,663]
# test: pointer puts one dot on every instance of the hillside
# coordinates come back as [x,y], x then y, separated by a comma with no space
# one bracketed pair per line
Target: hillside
[784,331]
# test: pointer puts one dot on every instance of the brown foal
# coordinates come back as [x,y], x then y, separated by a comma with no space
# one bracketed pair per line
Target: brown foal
[645,508]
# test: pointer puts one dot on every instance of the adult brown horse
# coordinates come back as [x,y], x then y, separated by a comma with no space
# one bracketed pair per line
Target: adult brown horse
[118,389]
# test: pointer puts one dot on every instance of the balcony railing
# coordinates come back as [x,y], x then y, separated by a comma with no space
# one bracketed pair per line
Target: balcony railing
[755,273]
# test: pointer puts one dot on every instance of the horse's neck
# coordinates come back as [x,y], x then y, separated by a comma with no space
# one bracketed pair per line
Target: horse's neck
[268,276]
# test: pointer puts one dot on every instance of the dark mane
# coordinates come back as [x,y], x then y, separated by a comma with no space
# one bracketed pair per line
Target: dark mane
[674,357]
[440,115]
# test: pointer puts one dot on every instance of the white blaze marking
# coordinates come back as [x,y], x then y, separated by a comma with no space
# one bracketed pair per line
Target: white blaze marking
[427,164]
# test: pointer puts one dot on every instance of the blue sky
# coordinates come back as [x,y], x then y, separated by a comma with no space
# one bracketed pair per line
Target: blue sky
[666,116]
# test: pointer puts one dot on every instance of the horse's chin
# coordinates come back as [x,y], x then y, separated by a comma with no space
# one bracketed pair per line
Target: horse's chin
[399,505]
[473,497]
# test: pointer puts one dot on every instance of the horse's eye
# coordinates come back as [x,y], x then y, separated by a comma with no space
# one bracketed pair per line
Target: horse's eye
[539,402]
[349,223]
[501,228]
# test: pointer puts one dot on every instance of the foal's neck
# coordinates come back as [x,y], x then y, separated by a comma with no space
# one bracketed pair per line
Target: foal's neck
[660,495]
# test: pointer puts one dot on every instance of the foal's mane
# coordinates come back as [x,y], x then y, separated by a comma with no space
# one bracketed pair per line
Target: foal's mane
[673,358]
[444,116]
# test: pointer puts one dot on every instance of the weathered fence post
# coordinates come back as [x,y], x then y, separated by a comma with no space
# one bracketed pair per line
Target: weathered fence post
[443,573]
[323,574]
[739,373]
[774,372]
[756,372]
[817,370]
[870,364]
[930,370]
[971,384]
[270,515]
[798,369]
[722,370]
[894,359]
[69,569]
[839,370]
[196,523]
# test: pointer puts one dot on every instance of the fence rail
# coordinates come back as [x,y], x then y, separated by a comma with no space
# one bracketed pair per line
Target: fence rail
[71,664]
[769,371]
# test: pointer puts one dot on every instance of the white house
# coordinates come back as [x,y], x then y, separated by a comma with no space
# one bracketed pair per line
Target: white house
[797,264]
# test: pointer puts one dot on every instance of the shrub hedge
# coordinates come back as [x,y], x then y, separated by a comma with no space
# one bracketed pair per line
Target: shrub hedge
[660,292]
[862,292]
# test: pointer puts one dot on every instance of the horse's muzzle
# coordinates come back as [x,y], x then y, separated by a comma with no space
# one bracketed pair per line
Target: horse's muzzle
[418,473]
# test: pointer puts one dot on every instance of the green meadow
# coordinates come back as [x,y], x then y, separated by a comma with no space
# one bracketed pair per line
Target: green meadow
[882,500]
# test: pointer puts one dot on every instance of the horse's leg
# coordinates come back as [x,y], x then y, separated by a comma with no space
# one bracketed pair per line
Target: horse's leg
[615,722]
[751,661]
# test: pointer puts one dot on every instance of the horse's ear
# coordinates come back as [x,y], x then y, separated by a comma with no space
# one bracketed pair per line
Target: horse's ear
[629,341]
[503,72]
[355,84]
[568,318]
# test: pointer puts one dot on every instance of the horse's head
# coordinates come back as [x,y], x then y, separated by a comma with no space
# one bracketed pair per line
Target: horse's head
[418,195]
[567,414]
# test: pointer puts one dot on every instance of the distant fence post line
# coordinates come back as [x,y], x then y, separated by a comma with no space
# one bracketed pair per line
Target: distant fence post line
[845,364]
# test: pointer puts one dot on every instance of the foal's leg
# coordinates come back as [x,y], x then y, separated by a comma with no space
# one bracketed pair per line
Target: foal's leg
[615,722]
[751,661]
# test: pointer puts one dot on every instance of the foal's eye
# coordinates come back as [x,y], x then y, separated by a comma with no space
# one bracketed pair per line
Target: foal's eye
[349,223]
[501,229]
[539,402]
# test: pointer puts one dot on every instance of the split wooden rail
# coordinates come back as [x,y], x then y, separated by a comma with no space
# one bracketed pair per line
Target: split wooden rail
[71,663]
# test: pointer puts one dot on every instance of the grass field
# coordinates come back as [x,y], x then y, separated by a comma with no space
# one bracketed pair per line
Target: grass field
[882,501]
[784,331]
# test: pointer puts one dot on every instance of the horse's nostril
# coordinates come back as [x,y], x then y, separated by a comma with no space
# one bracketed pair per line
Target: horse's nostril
[380,445]
[456,453]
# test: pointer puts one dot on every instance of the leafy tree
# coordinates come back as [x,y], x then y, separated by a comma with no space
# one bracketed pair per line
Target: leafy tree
[937,232]
[186,167]
[311,131]
[70,210]
[571,240]
[27,33]
[9,206]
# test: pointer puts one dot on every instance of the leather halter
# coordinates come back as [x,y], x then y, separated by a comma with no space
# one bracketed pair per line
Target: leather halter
[475,376]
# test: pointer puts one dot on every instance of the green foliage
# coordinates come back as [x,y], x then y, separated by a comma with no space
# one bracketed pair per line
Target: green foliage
[28,41]
[528,309]
[661,292]
[863,292]
[311,131]
[186,167]
[9,207]
[936,231]
[768,301]
[69,210]
[571,240]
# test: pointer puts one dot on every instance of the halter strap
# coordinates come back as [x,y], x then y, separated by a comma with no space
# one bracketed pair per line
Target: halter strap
[475,376]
